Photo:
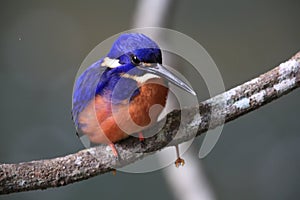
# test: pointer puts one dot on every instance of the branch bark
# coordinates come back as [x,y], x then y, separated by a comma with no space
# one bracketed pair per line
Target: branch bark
[90,162]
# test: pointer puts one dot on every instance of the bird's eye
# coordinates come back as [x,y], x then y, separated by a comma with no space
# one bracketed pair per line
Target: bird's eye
[135,60]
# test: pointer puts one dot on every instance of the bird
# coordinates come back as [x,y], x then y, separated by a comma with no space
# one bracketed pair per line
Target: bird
[112,98]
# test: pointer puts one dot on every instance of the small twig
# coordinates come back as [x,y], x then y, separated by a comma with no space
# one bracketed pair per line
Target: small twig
[238,101]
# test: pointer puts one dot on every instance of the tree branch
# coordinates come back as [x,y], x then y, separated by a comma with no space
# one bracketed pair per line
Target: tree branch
[227,106]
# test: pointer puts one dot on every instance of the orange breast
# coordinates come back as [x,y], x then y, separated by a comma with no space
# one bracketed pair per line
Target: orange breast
[105,123]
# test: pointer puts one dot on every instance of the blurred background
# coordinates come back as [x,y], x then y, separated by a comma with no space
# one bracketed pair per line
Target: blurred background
[43,43]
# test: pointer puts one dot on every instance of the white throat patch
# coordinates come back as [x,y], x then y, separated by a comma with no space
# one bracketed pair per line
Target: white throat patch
[113,63]
[140,79]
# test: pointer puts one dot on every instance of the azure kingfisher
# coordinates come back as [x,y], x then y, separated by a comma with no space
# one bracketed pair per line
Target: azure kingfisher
[112,98]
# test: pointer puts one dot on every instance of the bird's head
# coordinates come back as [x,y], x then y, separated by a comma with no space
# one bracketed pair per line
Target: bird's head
[136,56]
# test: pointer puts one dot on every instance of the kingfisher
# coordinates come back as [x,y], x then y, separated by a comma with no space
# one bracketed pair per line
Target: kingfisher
[113,97]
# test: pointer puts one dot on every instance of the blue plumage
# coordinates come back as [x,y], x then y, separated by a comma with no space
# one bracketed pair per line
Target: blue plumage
[134,60]
[98,79]
[131,43]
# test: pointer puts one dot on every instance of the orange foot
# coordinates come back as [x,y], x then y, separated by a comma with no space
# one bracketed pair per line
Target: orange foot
[114,150]
[179,162]
[141,137]
[114,172]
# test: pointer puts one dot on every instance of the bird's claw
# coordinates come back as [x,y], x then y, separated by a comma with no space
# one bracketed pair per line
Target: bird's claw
[141,137]
[114,172]
[179,162]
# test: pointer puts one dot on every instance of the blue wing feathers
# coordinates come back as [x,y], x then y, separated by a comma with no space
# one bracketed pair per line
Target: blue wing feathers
[98,79]
[86,87]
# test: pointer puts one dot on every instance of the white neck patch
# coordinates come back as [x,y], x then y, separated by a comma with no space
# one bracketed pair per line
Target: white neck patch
[111,63]
[141,79]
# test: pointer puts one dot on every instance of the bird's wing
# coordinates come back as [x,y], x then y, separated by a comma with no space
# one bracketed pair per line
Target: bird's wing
[85,88]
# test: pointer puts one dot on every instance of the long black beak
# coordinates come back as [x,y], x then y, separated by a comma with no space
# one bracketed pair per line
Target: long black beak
[161,71]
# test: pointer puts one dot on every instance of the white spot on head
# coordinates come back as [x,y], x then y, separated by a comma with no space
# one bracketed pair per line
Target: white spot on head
[242,103]
[111,63]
